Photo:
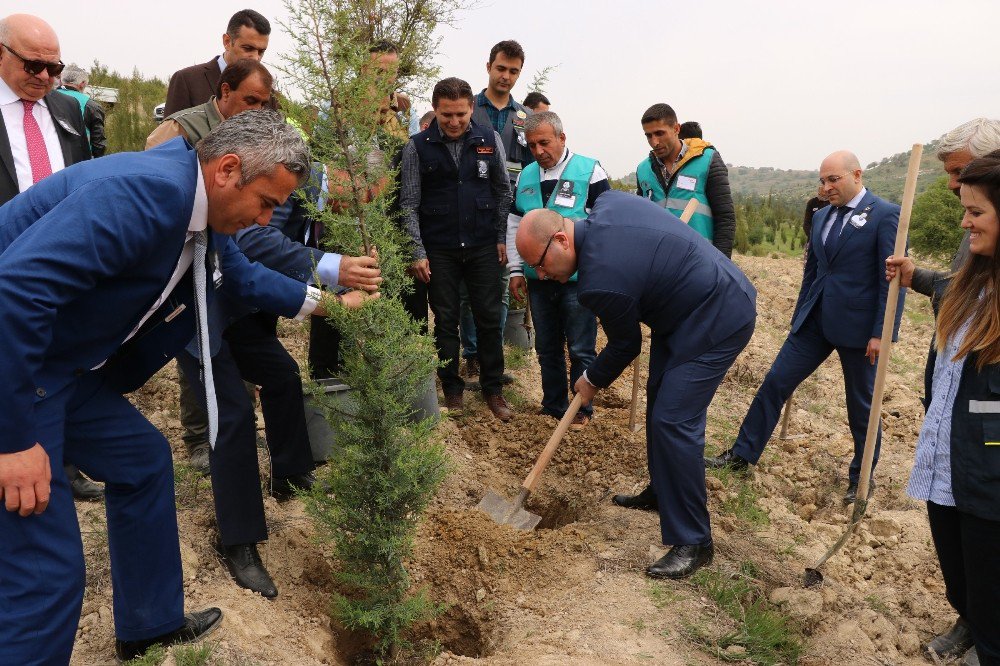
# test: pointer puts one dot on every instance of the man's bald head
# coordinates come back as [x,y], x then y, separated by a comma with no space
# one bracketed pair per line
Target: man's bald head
[545,242]
[844,160]
[840,177]
[27,37]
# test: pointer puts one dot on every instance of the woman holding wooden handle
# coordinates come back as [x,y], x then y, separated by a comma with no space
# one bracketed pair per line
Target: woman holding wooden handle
[957,465]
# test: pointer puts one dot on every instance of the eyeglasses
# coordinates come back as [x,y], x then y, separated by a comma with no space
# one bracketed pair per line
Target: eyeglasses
[832,180]
[544,252]
[35,67]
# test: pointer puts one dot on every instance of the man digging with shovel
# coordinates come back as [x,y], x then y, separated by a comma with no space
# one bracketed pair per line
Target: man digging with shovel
[639,264]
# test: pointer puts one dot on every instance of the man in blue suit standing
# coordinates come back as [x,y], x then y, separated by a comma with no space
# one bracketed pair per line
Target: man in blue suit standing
[99,268]
[639,264]
[840,307]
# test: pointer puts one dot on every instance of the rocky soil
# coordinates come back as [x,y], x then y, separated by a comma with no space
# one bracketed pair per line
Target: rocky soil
[572,591]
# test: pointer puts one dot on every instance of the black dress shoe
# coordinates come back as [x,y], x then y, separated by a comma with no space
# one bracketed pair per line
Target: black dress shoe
[727,460]
[681,561]
[957,641]
[851,495]
[196,626]
[244,563]
[284,488]
[646,500]
[84,489]
[198,459]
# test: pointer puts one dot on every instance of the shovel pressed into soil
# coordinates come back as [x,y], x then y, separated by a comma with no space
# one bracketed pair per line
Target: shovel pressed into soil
[505,512]
[813,576]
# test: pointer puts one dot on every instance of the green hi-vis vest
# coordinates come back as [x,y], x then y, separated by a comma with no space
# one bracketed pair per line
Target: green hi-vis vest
[687,183]
[569,198]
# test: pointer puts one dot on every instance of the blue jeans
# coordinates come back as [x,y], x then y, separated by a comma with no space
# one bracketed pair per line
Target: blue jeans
[467,325]
[560,323]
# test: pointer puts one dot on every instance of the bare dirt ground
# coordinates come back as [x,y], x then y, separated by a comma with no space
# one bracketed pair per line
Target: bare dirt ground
[573,592]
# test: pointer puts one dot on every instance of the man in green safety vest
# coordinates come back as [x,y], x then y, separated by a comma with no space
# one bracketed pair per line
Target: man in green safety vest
[569,184]
[677,171]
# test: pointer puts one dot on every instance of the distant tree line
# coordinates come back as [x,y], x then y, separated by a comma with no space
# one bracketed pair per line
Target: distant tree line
[131,120]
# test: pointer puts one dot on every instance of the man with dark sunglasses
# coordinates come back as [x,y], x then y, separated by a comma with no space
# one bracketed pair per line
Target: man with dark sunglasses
[41,131]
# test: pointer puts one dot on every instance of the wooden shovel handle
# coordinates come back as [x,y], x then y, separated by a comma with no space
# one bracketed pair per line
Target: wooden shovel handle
[550,447]
[633,412]
[875,415]
[689,209]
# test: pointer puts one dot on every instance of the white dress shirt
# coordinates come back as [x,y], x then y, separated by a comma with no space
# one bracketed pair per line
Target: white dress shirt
[199,222]
[13,118]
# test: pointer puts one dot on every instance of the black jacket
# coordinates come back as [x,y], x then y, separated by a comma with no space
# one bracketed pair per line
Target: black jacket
[68,122]
[975,433]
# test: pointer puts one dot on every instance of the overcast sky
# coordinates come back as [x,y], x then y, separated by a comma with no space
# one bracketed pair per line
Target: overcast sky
[777,83]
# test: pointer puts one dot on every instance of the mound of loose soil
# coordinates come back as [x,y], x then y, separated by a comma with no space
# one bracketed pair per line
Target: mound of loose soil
[572,591]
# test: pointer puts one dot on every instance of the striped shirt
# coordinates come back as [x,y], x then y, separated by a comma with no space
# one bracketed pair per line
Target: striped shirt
[930,479]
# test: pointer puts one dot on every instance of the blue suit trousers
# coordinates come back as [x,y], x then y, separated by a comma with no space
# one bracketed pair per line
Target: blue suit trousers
[41,556]
[677,407]
[800,355]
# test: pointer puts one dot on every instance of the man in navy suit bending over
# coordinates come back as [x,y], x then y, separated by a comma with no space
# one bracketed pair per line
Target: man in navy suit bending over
[99,267]
[840,307]
[638,264]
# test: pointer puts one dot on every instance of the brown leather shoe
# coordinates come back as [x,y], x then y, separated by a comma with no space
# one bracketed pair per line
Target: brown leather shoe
[498,405]
[453,403]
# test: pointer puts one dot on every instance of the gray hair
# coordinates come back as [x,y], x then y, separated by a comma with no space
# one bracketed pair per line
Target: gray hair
[536,120]
[262,140]
[980,137]
[74,75]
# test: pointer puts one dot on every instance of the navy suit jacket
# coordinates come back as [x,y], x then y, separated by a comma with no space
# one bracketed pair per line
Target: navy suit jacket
[84,254]
[850,285]
[638,263]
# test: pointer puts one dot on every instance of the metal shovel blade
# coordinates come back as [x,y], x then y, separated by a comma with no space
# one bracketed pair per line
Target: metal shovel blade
[813,575]
[505,512]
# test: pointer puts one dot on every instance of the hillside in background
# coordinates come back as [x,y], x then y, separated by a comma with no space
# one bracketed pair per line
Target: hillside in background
[885,178]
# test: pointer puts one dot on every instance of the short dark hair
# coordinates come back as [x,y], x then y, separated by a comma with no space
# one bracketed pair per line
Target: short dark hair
[248,18]
[660,111]
[452,88]
[427,117]
[509,48]
[240,71]
[535,98]
[383,46]
[690,130]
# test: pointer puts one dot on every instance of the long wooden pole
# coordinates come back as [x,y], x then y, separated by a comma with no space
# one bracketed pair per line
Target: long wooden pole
[686,216]
[885,351]
[813,575]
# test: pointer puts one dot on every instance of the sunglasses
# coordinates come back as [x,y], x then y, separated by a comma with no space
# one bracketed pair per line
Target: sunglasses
[35,67]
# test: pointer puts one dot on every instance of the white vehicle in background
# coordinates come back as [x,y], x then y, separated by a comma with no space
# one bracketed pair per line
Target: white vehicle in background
[158,112]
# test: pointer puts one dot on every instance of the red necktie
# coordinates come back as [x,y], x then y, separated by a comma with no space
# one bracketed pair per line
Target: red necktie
[38,154]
